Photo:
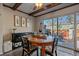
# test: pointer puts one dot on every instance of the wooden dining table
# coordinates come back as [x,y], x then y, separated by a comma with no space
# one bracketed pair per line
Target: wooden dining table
[41,42]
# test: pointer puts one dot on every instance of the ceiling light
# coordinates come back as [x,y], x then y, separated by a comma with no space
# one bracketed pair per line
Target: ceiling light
[38,5]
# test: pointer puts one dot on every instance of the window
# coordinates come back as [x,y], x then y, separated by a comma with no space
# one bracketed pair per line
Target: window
[77,30]
[48,24]
[54,25]
[65,27]
[66,30]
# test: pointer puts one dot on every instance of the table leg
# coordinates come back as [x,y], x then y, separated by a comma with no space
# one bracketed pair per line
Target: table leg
[43,51]
[39,51]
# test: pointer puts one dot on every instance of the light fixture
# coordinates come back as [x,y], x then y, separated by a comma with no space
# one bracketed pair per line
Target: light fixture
[38,5]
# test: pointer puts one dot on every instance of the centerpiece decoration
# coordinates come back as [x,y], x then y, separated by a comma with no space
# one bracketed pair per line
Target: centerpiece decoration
[39,36]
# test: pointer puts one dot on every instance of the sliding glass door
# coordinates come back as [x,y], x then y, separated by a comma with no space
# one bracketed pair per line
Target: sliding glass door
[66,30]
[77,31]
[67,27]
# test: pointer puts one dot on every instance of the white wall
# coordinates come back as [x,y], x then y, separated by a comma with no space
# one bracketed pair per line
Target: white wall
[62,12]
[1,29]
[9,21]
[7,24]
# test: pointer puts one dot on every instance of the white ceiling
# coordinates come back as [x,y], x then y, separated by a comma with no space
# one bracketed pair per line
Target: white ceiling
[52,9]
[28,7]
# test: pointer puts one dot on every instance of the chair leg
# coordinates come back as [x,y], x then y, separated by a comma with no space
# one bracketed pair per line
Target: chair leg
[28,54]
[23,53]
[49,53]
[55,52]
[37,52]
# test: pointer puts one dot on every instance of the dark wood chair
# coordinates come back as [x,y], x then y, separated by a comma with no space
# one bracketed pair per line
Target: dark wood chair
[27,47]
[54,48]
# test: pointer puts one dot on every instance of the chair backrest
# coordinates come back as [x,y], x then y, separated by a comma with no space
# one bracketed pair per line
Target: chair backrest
[25,43]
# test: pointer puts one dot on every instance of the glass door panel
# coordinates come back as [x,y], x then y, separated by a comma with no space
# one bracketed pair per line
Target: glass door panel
[48,24]
[77,31]
[54,26]
[66,30]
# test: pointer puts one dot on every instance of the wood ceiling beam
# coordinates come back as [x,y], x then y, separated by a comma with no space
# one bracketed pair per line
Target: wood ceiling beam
[16,6]
[45,8]
[16,9]
[22,12]
[7,6]
[58,9]
[52,5]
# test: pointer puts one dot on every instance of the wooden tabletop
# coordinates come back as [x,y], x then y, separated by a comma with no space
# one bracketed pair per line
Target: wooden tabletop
[41,41]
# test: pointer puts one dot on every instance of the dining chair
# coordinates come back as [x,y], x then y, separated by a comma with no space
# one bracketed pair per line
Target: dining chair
[27,47]
[54,48]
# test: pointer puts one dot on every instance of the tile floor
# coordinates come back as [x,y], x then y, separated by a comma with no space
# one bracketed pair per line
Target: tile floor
[61,52]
